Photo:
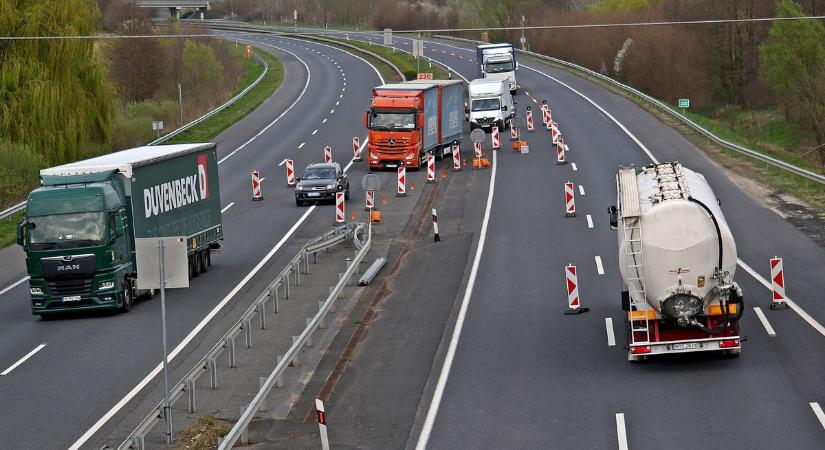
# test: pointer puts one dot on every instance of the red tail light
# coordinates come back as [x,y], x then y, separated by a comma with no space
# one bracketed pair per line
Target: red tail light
[640,349]
[728,343]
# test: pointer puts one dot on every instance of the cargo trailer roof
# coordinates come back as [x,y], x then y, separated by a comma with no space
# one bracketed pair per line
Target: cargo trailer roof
[125,160]
[406,86]
[438,82]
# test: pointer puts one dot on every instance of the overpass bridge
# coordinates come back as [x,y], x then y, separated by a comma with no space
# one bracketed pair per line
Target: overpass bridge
[175,6]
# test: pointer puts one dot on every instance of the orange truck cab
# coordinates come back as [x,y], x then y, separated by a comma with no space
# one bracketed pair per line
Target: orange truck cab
[407,121]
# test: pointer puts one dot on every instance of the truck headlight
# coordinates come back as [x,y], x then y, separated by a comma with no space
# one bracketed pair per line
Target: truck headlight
[373,155]
[107,285]
[410,155]
[36,291]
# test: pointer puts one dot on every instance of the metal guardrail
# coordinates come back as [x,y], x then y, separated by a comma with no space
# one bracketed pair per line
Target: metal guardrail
[270,30]
[22,205]
[813,176]
[240,428]
[185,386]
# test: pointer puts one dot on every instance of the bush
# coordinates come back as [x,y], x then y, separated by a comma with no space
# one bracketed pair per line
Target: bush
[133,124]
[19,173]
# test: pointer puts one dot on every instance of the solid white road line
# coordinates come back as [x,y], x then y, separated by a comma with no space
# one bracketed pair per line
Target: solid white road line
[611,338]
[581,190]
[573,165]
[799,311]
[23,359]
[432,412]
[819,414]
[599,267]
[589,221]
[764,320]
[14,285]
[228,206]
[621,431]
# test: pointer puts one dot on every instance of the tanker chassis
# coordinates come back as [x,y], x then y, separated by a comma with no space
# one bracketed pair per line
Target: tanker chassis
[677,260]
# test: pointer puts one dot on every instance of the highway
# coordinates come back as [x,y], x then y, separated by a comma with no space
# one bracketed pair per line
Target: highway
[95,367]
[523,375]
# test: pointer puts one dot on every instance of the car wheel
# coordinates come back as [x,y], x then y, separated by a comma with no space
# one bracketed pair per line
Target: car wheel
[299,202]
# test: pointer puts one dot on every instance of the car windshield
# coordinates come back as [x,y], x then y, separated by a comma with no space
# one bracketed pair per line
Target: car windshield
[318,173]
[392,121]
[67,230]
[486,104]
[498,67]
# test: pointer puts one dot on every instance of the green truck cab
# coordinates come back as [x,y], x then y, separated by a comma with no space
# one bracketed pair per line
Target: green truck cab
[81,225]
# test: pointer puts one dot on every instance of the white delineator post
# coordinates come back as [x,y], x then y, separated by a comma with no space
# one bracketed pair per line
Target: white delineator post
[560,157]
[256,186]
[530,125]
[456,159]
[495,138]
[290,173]
[402,182]
[572,281]
[436,237]
[569,200]
[778,284]
[322,424]
[340,213]
[356,148]
[430,168]
[327,154]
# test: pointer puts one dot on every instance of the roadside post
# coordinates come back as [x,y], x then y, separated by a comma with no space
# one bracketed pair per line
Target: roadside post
[684,103]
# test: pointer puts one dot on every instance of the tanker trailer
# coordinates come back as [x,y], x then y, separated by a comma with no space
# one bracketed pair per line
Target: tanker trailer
[677,260]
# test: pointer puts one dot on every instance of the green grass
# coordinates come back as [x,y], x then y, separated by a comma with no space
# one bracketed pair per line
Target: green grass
[208,129]
[8,229]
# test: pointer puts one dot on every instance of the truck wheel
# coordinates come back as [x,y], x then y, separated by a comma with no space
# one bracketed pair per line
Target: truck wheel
[203,258]
[208,258]
[127,296]
[196,264]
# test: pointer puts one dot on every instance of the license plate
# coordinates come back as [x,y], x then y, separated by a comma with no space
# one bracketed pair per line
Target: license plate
[685,346]
[71,298]
[314,194]
[392,165]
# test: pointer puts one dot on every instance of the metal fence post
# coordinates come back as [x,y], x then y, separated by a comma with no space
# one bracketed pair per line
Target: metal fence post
[273,292]
[213,372]
[286,287]
[230,343]
[190,394]
[296,267]
[263,315]
[247,325]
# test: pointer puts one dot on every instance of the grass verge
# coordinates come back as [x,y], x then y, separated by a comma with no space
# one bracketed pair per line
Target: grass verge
[780,181]
[8,229]
[204,435]
[208,129]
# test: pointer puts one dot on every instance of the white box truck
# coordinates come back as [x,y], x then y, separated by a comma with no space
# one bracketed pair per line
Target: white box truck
[490,104]
[497,62]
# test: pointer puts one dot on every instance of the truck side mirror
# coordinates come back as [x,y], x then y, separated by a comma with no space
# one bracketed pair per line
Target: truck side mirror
[120,227]
[22,227]
[613,215]
[366,119]
[504,108]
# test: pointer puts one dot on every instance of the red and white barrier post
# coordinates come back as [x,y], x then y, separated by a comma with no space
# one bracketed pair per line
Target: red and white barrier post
[322,424]
[402,182]
[456,159]
[554,131]
[430,168]
[544,108]
[436,237]
[290,173]
[574,305]
[370,201]
[495,138]
[340,213]
[560,156]
[356,148]
[327,154]
[548,118]
[561,142]
[530,125]
[256,186]
[513,132]
[778,284]
[569,200]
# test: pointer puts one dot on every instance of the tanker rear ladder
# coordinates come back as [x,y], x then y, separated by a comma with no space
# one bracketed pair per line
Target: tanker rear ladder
[636,284]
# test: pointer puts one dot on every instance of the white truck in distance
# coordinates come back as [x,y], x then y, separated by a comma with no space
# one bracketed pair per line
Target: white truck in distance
[490,104]
[497,62]
[677,260]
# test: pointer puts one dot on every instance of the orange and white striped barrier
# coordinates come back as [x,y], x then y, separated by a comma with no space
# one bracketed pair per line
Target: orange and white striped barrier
[430,168]
[327,154]
[290,173]
[571,279]
[561,142]
[560,156]
[340,213]
[544,109]
[778,284]
[569,200]
[356,148]
[402,182]
[495,138]
[322,424]
[456,159]
[530,125]
[256,186]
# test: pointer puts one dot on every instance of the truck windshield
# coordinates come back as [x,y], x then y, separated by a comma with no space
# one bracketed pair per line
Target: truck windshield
[486,104]
[392,121]
[67,230]
[498,67]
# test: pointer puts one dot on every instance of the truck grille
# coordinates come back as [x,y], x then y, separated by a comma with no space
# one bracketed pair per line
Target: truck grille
[80,286]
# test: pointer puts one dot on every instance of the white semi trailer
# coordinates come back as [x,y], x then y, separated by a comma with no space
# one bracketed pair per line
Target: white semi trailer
[677,260]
